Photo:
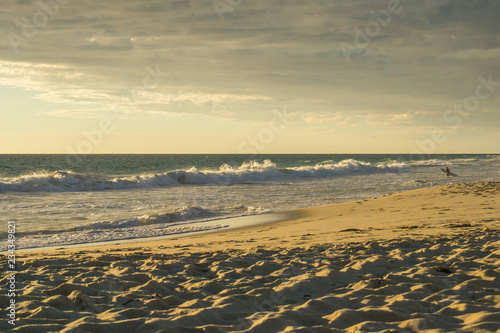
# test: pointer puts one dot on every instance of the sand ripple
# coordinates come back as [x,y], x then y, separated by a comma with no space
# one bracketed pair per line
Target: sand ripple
[436,284]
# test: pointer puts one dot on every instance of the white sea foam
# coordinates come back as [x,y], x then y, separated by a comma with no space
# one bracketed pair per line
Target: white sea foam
[254,171]
[170,218]
[256,210]
[91,235]
[441,162]
[178,221]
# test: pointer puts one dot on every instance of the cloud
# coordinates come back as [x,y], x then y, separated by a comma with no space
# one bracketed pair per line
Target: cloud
[261,55]
[390,120]
[77,113]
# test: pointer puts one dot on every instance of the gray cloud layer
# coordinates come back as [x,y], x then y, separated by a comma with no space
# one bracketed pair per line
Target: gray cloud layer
[259,55]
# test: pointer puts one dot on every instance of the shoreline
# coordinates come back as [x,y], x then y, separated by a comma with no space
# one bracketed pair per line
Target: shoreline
[416,261]
[349,223]
[235,223]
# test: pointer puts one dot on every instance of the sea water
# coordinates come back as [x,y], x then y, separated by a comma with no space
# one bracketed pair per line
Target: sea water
[74,199]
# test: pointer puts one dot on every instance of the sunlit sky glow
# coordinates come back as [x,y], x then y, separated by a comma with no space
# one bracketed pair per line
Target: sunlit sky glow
[224,71]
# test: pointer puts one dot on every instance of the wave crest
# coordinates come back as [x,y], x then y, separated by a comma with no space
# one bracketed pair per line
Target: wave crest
[252,171]
[177,215]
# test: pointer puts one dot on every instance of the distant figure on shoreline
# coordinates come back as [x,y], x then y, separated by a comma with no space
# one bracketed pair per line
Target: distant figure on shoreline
[448,172]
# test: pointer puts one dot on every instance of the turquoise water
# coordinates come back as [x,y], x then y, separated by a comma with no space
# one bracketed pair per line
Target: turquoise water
[68,199]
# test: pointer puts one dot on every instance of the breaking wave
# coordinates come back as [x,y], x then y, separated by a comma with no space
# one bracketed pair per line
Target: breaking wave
[170,218]
[248,172]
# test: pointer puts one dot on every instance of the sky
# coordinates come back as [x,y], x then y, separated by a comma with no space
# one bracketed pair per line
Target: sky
[241,76]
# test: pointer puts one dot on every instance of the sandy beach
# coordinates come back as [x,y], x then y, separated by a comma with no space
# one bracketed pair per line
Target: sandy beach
[425,260]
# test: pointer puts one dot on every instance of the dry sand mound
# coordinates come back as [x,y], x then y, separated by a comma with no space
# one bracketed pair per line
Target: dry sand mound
[436,284]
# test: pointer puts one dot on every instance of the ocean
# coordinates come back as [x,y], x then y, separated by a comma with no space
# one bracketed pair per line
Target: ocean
[58,200]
